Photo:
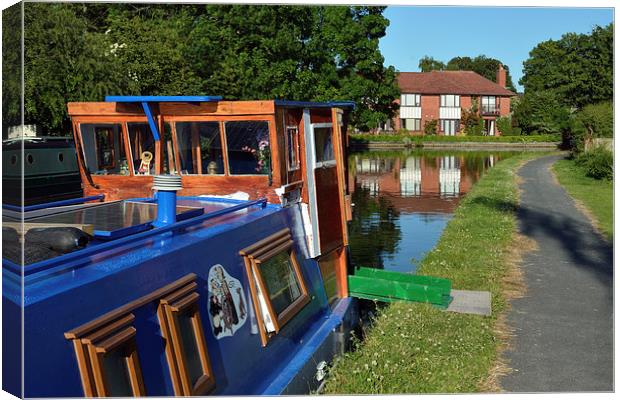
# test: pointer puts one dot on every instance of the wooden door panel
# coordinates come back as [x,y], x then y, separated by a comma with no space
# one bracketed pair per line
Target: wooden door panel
[328,207]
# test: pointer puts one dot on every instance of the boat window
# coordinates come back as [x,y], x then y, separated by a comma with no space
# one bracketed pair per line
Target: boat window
[186,349]
[276,282]
[104,149]
[142,145]
[323,145]
[248,147]
[292,136]
[200,148]
[108,360]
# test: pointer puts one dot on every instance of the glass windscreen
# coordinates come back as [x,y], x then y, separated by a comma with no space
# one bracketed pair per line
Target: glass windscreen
[200,148]
[142,145]
[104,149]
[248,147]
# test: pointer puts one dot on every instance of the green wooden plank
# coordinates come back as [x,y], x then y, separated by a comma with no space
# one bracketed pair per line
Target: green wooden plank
[400,290]
[440,283]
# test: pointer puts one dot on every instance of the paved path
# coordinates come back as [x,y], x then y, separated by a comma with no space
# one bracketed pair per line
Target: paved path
[564,324]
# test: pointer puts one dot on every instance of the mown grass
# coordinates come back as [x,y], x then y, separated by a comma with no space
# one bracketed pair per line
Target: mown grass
[596,195]
[417,139]
[416,348]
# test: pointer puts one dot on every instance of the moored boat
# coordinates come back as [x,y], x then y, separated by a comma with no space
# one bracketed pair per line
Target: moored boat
[215,264]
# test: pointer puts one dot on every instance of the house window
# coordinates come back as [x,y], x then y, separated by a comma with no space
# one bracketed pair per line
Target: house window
[142,147]
[200,148]
[292,137]
[186,349]
[104,149]
[410,100]
[450,100]
[412,124]
[489,104]
[248,147]
[276,282]
[108,360]
[450,127]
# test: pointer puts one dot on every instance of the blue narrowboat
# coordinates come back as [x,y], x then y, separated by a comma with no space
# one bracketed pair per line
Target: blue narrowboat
[209,256]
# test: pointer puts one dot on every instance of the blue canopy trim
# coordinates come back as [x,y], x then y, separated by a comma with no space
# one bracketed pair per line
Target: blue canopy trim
[162,99]
[314,104]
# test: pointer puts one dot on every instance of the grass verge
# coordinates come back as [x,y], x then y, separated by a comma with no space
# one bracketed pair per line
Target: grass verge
[417,139]
[416,348]
[595,197]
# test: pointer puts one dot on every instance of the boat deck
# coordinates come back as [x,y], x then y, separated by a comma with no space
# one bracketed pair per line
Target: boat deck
[116,223]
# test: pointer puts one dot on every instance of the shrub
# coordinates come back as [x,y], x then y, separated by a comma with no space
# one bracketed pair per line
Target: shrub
[430,127]
[594,120]
[598,163]
[504,124]
[476,130]
[470,119]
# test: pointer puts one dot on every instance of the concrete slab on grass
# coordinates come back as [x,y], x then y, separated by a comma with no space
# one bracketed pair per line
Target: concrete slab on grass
[470,302]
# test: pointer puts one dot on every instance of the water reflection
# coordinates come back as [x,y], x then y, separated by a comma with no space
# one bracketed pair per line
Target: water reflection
[403,201]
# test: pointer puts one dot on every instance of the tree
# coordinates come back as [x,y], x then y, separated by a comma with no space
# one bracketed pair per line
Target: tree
[11,67]
[542,112]
[65,60]
[481,65]
[82,52]
[577,68]
[428,64]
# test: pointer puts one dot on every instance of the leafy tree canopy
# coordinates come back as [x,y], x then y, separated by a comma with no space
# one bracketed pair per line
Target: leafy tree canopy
[82,52]
[578,68]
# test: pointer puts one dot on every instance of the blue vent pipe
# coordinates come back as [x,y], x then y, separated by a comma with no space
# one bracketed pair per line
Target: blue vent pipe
[166,186]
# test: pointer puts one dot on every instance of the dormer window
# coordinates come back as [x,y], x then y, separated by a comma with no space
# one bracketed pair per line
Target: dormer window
[450,100]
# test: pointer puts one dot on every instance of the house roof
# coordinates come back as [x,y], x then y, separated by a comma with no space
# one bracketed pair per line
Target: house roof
[449,82]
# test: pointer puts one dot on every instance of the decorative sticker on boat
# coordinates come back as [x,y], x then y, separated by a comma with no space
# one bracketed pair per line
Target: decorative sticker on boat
[227,305]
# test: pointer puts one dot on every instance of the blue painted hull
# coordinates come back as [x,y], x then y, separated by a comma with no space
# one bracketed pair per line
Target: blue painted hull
[65,296]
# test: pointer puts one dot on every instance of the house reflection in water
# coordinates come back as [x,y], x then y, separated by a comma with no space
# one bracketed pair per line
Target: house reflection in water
[436,182]
[403,201]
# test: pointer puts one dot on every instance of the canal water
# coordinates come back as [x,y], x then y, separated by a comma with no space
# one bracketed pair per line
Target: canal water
[402,201]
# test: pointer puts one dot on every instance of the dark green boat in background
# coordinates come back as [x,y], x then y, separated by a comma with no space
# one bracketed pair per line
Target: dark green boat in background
[50,170]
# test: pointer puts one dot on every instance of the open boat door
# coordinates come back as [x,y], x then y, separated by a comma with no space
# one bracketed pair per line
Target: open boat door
[325,177]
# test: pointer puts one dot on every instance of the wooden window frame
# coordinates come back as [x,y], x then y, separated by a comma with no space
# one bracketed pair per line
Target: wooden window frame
[184,300]
[91,351]
[292,147]
[261,252]
[96,332]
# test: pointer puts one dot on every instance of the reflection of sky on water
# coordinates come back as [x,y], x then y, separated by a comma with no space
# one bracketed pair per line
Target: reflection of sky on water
[420,234]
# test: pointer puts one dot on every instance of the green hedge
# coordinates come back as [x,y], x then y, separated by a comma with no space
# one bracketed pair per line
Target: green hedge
[410,139]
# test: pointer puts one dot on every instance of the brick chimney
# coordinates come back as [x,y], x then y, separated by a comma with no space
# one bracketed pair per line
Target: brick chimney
[501,76]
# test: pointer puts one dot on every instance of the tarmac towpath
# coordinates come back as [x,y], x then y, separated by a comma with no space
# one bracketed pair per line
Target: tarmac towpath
[564,325]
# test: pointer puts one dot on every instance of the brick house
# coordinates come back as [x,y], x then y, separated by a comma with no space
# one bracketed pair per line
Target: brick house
[442,95]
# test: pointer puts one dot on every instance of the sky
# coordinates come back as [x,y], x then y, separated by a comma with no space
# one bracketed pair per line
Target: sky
[505,33]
